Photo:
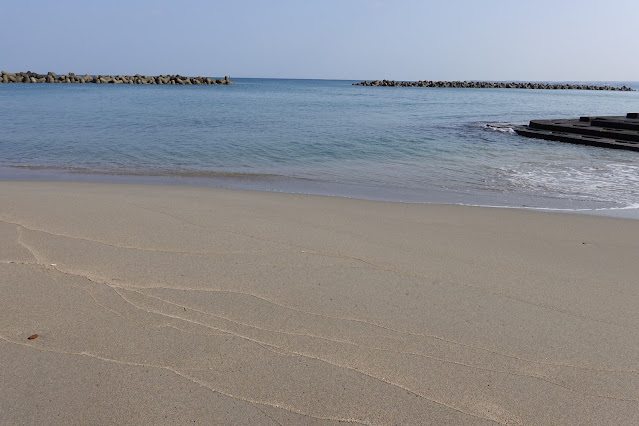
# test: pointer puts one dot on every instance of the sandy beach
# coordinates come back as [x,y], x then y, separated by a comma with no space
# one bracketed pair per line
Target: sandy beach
[184,305]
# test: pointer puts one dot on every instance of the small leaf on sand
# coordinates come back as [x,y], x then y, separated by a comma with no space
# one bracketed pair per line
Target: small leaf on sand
[33,336]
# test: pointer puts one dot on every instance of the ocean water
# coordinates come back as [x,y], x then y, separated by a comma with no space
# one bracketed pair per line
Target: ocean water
[424,145]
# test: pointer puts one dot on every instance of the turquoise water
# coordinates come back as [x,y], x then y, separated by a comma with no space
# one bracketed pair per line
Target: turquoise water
[321,137]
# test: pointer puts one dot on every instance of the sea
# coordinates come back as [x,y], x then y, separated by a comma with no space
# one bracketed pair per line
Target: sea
[324,137]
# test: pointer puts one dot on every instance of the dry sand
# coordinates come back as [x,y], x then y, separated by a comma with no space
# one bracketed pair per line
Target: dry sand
[181,305]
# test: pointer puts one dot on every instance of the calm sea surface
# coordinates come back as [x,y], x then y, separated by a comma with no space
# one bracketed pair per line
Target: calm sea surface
[321,137]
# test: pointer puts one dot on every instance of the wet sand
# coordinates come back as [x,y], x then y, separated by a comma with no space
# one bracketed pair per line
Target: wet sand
[183,305]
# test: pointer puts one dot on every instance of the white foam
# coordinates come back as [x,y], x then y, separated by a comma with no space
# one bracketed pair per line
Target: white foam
[500,127]
[611,183]
[626,212]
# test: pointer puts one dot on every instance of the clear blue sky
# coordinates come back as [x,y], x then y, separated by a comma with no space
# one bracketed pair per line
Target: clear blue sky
[341,39]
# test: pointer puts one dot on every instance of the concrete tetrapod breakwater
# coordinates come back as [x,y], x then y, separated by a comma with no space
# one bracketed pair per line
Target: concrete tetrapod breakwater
[489,85]
[51,77]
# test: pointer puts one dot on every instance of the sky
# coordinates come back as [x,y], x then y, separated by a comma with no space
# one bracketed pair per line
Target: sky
[561,40]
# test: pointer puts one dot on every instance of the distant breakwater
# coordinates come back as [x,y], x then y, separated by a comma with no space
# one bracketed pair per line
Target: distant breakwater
[51,77]
[489,85]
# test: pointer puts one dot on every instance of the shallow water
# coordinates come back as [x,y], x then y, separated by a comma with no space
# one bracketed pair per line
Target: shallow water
[322,137]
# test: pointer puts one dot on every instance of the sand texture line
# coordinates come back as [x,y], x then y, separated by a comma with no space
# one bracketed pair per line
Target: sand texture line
[102,280]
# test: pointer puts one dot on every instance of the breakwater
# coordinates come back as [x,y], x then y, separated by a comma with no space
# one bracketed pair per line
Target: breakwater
[51,77]
[489,85]
[607,132]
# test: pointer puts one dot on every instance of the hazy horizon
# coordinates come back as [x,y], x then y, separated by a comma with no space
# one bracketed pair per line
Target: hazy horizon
[332,40]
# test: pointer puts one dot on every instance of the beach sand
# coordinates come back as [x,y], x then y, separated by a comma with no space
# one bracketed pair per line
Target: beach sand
[184,305]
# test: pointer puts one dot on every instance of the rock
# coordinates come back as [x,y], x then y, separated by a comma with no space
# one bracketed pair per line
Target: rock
[51,77]
[483,85]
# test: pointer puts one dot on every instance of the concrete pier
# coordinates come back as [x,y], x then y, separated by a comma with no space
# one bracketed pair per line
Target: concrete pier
[620,132]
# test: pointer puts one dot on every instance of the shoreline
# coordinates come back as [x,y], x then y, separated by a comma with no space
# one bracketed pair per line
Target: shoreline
[177,304]
[300,186]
